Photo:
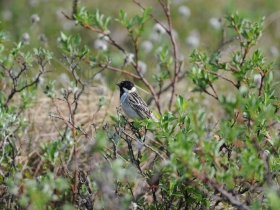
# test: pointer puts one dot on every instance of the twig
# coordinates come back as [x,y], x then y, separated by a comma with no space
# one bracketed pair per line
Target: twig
[221,76]
[155,197]
[166,88]
[170,32]
[207,92]
[223,43]
[3,147]
[73,129]
[77,128]
[112,140]
[175,51]
[15,88]
[218,187]
[152,16]
[75,153]
[113,69]
[61,115]
[140,142]
[211,85]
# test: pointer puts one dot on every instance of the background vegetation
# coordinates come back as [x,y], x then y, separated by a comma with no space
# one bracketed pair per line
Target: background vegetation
[210,74]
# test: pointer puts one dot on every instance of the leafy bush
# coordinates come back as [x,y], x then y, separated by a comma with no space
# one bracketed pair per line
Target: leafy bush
[190,159]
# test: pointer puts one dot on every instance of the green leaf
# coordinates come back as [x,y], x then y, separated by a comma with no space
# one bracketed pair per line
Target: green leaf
[146,14]
[77,40]
[181,103]
[63,36]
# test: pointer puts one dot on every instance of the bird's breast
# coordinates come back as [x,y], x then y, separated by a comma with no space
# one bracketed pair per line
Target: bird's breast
[127,109]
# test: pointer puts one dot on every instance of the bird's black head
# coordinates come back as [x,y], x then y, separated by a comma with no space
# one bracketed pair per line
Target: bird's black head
[126,86]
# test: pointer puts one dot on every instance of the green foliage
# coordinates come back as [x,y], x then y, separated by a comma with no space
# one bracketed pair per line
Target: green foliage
[136,23]
[96,19]
[39,193]
[17,64]
[193,160]
[70,45]
[51,151]
[49,91]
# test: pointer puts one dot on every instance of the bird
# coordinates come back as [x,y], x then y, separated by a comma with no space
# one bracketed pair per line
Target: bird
[132,104]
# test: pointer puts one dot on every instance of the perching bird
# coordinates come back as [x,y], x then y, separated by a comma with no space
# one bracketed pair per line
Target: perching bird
[132,104]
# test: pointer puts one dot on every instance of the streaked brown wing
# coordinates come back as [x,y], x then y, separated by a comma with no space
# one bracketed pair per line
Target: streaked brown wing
[139,105]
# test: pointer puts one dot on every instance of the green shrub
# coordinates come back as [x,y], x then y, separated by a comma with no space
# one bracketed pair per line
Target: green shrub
[190,159]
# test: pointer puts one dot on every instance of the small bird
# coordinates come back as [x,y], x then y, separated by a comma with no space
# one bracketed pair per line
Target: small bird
[132,104]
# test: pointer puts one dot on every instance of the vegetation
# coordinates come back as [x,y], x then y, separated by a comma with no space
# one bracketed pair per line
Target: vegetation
[65,144]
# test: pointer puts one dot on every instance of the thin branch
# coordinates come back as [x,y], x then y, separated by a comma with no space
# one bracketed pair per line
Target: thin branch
[261,85]
[211,85]
[77,128]
[219,75]
[23,68]
[142,143]
[155,197]
[176,59]
[151,89]
[61,115]
[169,30]
[152,16]
[237,30]
[75,152]
[223,43]
[113,69]
[166,88]
[218,187]
[207,92]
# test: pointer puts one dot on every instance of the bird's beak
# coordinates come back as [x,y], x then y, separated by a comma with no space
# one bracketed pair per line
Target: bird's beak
[118,84]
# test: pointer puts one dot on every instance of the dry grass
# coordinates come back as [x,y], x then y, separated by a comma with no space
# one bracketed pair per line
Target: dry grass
[43,128]
[44,125]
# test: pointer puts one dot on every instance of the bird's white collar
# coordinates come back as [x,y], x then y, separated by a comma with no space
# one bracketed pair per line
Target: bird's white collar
[129,91]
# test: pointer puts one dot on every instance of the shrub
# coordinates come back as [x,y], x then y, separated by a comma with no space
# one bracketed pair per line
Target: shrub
[190,159]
